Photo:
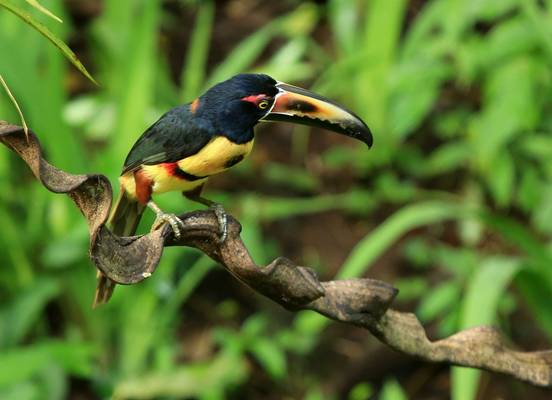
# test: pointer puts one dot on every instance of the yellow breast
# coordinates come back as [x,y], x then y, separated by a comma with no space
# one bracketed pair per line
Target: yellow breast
[161,181]
[217,155]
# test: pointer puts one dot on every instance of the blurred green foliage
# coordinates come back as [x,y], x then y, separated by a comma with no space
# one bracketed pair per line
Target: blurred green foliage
[458,187]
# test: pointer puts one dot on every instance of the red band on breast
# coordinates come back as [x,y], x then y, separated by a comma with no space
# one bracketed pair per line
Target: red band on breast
[143,186]
[170,168]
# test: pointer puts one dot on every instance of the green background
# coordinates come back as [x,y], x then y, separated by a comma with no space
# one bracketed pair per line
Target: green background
[452,205]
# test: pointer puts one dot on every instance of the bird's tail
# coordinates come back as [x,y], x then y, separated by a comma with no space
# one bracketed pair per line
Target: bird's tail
[123,221]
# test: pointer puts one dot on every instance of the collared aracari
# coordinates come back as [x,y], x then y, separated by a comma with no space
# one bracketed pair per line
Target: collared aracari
[192,142]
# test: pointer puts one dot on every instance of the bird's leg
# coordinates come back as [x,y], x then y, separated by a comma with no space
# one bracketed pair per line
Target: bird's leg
[163,217]
[222,217]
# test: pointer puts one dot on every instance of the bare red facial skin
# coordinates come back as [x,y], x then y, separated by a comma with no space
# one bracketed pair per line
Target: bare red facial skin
[255,99]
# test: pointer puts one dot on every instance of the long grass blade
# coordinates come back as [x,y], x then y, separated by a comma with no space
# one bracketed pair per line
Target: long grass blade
[16,105]
[406,219]
[44,10]
[479,308]
[60,44]
[193,73]
[374,244]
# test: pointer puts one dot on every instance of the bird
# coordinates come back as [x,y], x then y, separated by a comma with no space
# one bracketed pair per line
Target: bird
[192,142]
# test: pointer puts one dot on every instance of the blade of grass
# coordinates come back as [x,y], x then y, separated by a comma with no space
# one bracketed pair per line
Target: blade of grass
[536,294]
[404,220]
[376,242]
[136,81]
[18,317]
[382,27]
[67,52]
[519,236]
[275,208]
[242,55]
[17,364]
[343,17]
[193,73]
[16,105]
[44,10]
[392,390]
[184,289]
[479,308]
[39,81]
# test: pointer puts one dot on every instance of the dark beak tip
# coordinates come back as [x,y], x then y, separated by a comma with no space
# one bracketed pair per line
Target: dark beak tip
[368,138]
[365,135]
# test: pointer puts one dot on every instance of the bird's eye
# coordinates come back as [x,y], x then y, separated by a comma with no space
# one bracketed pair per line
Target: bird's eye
[263,104]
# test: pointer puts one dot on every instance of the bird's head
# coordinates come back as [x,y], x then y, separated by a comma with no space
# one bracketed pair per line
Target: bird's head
[238,104]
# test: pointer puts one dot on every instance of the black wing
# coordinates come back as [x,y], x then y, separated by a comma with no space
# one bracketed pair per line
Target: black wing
[173,137]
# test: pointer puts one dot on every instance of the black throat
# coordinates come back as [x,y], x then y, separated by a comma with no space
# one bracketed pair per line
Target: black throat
[228,120]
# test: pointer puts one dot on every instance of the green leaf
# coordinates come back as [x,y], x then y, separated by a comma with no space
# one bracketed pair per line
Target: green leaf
[392,390]
[193,73]
[447,158]
[361,391]
[270,356]
[188,381]
[21,363]
[242,55]
[289,176]
[506,40]
[344,17]
[15,104]
[530,189]
[490,10]
[510,108]
[17,318]
[274,208]
[411,288]
[437,300]
[44,10]
[479,307]
[255,325]
[409,217]
[288,62]
[295,24]
[501,179]
[136,75]
[374,244]
[518,235]
[536,294]
[537,146]
[21,391]
[189,281]
[542,215]
[415,88]
[67,52]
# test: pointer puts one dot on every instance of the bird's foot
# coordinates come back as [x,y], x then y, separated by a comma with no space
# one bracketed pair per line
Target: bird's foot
[163,218]
[175,223]
[222,219]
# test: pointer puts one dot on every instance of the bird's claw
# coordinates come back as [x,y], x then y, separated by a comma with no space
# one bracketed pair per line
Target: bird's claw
[175,223]
[222,219]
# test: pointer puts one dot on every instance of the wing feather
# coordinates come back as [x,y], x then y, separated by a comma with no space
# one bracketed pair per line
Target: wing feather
[172,138]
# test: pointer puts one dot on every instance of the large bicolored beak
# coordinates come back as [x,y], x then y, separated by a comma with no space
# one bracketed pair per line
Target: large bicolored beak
[293,104]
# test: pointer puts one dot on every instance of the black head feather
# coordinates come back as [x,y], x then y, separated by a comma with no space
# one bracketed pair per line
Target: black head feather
[243,85]
[223,109]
